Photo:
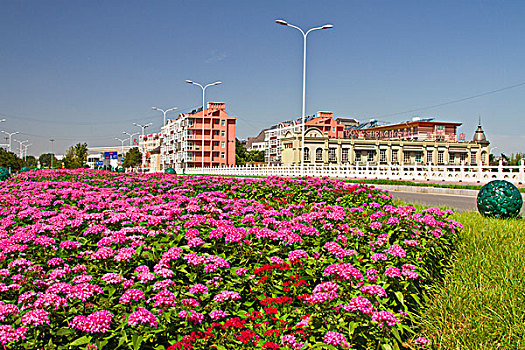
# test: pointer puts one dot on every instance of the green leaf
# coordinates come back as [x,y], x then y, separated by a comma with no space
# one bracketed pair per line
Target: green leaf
[137,340]
[81,341]
[64,331]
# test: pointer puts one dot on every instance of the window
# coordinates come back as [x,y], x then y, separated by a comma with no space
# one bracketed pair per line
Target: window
[190,122]
[215,143]
[319,155]
[223,144]
[331,154]
[333,129]
[429,157]
[223,133]
[483,157]
[440,157]
[357,156]
[216,121]
[306,154]
[473,157]
[462,157]
[394,155]
[370,156]
[223,122]
[215,132]
[215,154]
[223,155]
[344,155]
[418,156]
[406,156]
[382,155]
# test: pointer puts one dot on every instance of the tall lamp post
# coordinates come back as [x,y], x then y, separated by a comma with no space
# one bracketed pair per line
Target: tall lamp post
[10,134]
[203,107]
[143,126]
[25,150]
[52,155]
[164,112]
[305,34]
[121,145]
[130,136]
[21,143]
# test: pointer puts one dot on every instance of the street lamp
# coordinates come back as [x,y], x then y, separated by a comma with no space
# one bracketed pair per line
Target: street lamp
[143,126]
[121,145]
[164,112]
[52,155]
[21,143]
[25,150]
[130,136]
[203,103]
[305,34]
[10,135]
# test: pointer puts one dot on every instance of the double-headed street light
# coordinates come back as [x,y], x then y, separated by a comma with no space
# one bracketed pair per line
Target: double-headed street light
[10,136]
[143,126]
[21,143]
[164,112]
[130,136]
[121,145]
[305,34]
[25,150]
[203,107]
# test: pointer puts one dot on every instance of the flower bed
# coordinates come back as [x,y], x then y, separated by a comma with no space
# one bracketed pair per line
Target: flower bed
[109,260]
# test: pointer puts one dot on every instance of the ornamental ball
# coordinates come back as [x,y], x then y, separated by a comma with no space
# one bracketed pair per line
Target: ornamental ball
[4,174]
[499,199]
[24,168]
[170,171]
[121,170]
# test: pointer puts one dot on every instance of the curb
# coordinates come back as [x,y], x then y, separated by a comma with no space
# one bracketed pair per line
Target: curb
[431,190]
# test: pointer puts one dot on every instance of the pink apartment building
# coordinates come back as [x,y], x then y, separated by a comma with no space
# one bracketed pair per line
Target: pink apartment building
[183,139]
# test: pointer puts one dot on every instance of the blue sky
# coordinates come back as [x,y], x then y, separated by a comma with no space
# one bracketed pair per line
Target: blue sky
[86,70]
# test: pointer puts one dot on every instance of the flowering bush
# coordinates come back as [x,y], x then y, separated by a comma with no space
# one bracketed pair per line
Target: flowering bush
[159,261]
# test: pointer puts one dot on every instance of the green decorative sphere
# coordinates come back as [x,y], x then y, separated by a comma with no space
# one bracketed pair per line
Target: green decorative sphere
[170,171]
[24,168]
[4,174]
[499,199]
[121,170]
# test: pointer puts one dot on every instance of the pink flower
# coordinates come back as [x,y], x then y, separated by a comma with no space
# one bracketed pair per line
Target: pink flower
[334,338]
[218,314]
[241,272]
[97,322]
[385,316]
[35,317]
[141,315]
[393,272]
[131,295]
[373,289]
[297,254]
[10,335]
[226,295]
[198,288]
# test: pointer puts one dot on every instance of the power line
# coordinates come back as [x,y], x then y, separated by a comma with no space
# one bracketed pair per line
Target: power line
[454,101]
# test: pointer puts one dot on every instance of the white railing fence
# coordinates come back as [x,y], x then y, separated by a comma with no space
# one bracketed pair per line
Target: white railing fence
[431,173]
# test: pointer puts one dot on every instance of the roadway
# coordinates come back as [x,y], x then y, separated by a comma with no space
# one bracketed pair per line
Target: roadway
[452,201]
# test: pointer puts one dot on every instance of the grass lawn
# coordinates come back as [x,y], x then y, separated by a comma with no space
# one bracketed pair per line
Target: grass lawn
[480,304]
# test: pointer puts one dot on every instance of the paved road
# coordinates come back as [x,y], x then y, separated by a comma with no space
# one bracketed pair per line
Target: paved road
[455,202]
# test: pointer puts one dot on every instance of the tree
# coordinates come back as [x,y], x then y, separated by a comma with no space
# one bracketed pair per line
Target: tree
[76,156]
[9,160]
[133,158]
[45,160]
[31,161]
[242,156]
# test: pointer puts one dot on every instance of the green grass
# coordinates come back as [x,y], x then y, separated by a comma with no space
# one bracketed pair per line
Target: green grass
[480,304]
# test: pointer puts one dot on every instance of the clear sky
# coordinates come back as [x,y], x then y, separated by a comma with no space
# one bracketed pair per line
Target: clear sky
[86,70]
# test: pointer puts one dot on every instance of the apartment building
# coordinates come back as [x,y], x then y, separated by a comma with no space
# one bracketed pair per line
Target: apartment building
[188,143]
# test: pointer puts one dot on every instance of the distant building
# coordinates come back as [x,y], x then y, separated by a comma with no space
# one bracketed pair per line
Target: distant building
[147,144]
[106,156]
[419,141]
[182,139]
[256,143]
[322,121]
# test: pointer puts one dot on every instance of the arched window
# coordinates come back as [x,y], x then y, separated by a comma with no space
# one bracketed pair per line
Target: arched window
[306,154]
[319,155]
